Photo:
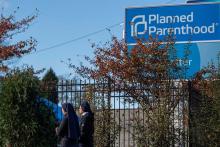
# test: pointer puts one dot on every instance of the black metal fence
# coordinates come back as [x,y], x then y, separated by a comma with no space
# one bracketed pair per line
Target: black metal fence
[118,121]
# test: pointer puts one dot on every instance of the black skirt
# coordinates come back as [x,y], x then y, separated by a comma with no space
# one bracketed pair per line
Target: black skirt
[65,142]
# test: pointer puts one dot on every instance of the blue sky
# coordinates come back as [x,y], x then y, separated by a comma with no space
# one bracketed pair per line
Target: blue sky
[60,21]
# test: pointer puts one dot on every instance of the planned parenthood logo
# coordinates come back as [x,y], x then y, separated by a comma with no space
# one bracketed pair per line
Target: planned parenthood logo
[185,22]
[156,19]
[135,25]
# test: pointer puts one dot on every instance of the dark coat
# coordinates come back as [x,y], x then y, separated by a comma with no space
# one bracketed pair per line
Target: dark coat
[86,130]
[62,132]
[69,130]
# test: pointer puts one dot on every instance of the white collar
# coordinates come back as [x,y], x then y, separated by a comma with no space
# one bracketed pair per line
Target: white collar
[84,113]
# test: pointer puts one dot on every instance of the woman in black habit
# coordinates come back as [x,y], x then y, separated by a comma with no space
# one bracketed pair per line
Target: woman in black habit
[86,125]
[69,128]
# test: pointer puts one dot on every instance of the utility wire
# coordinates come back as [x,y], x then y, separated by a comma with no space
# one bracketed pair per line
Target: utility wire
[84,36]
[76,39]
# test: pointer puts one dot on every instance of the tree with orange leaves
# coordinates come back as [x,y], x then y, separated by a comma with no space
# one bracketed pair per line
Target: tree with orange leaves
[8,29]
[147,73]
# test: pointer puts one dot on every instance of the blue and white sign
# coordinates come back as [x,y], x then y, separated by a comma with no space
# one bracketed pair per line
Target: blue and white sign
[189,22]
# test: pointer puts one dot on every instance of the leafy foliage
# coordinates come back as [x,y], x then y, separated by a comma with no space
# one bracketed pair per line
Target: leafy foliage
[205,108]
[146,74]
[9,28]
[24,120]
[49,86]
[106,128]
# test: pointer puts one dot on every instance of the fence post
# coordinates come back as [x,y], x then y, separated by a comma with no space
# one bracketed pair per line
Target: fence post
[109,110]
[190,141]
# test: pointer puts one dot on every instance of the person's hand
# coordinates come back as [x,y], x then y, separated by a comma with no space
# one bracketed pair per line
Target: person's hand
[56,129]
[56,123]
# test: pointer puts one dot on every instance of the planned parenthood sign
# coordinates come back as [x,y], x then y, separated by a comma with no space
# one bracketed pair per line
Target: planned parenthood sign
[188,22]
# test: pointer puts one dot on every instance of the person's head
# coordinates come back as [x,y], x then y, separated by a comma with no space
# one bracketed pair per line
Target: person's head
[73,124]
[67,108]
[84,107]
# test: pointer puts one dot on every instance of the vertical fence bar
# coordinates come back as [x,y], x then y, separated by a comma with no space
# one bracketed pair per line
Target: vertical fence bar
[133,119]
[80,90]
[75,92]
[119,114]
[129,122]
[114,112]
[71,94]
[190,113]
[109,108]
[123,115]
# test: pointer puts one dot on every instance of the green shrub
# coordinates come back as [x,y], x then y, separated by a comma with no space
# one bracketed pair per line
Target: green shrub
[24,121]
[49,86]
